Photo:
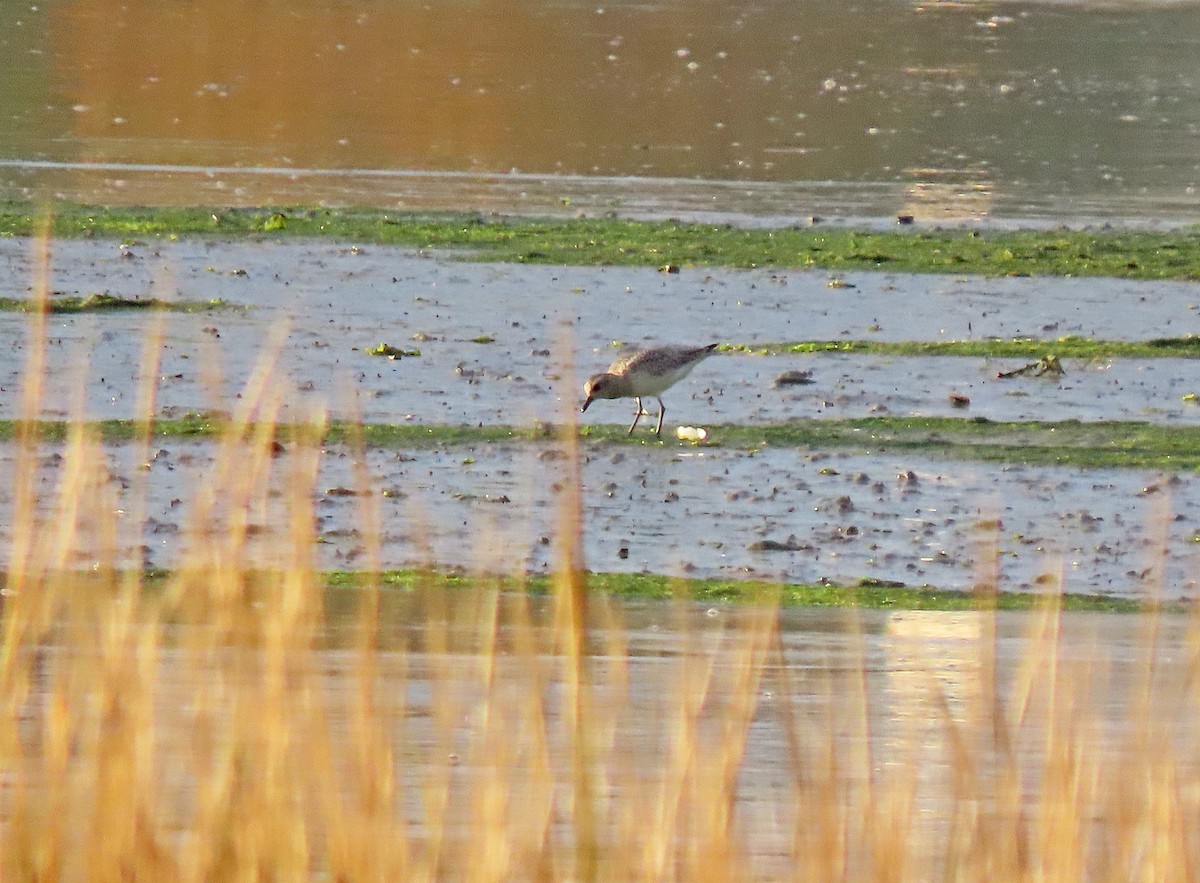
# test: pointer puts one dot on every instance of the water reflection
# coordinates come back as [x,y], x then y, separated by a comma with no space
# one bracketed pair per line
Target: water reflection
[954,110]
[853,721]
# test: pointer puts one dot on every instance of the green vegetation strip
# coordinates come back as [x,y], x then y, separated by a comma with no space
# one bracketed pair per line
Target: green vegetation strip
[878,594]
[665,244]
[99,303]
[1116,444]
[1069,347]
[869,593]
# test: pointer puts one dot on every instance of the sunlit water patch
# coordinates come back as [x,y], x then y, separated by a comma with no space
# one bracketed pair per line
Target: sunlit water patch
[946,111]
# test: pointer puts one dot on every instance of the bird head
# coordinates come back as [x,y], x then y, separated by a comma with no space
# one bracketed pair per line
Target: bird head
[598,386]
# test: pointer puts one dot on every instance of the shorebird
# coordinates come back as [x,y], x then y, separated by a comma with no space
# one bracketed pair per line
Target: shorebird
[648,372]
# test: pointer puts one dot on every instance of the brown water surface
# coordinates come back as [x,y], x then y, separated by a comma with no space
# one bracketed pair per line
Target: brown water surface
[1061,111]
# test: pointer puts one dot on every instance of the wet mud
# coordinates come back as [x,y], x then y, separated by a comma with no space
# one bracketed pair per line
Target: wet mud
[492,337]
[796,515]
[789,515]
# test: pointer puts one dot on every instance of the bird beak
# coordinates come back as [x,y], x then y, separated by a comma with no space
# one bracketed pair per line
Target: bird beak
[586,402]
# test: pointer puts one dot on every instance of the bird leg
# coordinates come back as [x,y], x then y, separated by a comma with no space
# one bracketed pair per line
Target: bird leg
[637,416]
[661,411]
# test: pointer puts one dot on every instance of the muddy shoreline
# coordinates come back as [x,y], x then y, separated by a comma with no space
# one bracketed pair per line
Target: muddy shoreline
[794,515]
[338,301]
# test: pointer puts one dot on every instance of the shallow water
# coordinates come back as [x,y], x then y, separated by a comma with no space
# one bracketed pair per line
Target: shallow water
[921,679]
[1044,111]
[672,510]
[338,301]
[950,111]
[703,513]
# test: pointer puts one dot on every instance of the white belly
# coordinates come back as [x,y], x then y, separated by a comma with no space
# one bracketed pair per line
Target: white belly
[644,384]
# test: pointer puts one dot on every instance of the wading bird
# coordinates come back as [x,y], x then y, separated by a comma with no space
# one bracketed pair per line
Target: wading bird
[649,372]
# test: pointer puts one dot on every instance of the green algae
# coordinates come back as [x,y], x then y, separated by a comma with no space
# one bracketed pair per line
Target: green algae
[1136,254]
[102,303]
[873,594]
[1107,444]
[344,589]
[1067,347]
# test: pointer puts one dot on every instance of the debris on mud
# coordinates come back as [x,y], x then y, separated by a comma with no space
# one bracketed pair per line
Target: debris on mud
[791,544]
[1046,366]
[794,378]
[874,583]
[341,491]
[392,352]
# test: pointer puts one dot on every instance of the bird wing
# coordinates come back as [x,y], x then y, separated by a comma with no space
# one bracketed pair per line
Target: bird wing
[631,361]
[621,365]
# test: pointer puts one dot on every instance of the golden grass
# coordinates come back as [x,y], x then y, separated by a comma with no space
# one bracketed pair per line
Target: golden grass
[231,728]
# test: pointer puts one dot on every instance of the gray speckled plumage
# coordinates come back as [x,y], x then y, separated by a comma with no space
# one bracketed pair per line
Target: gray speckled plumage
[648,372]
